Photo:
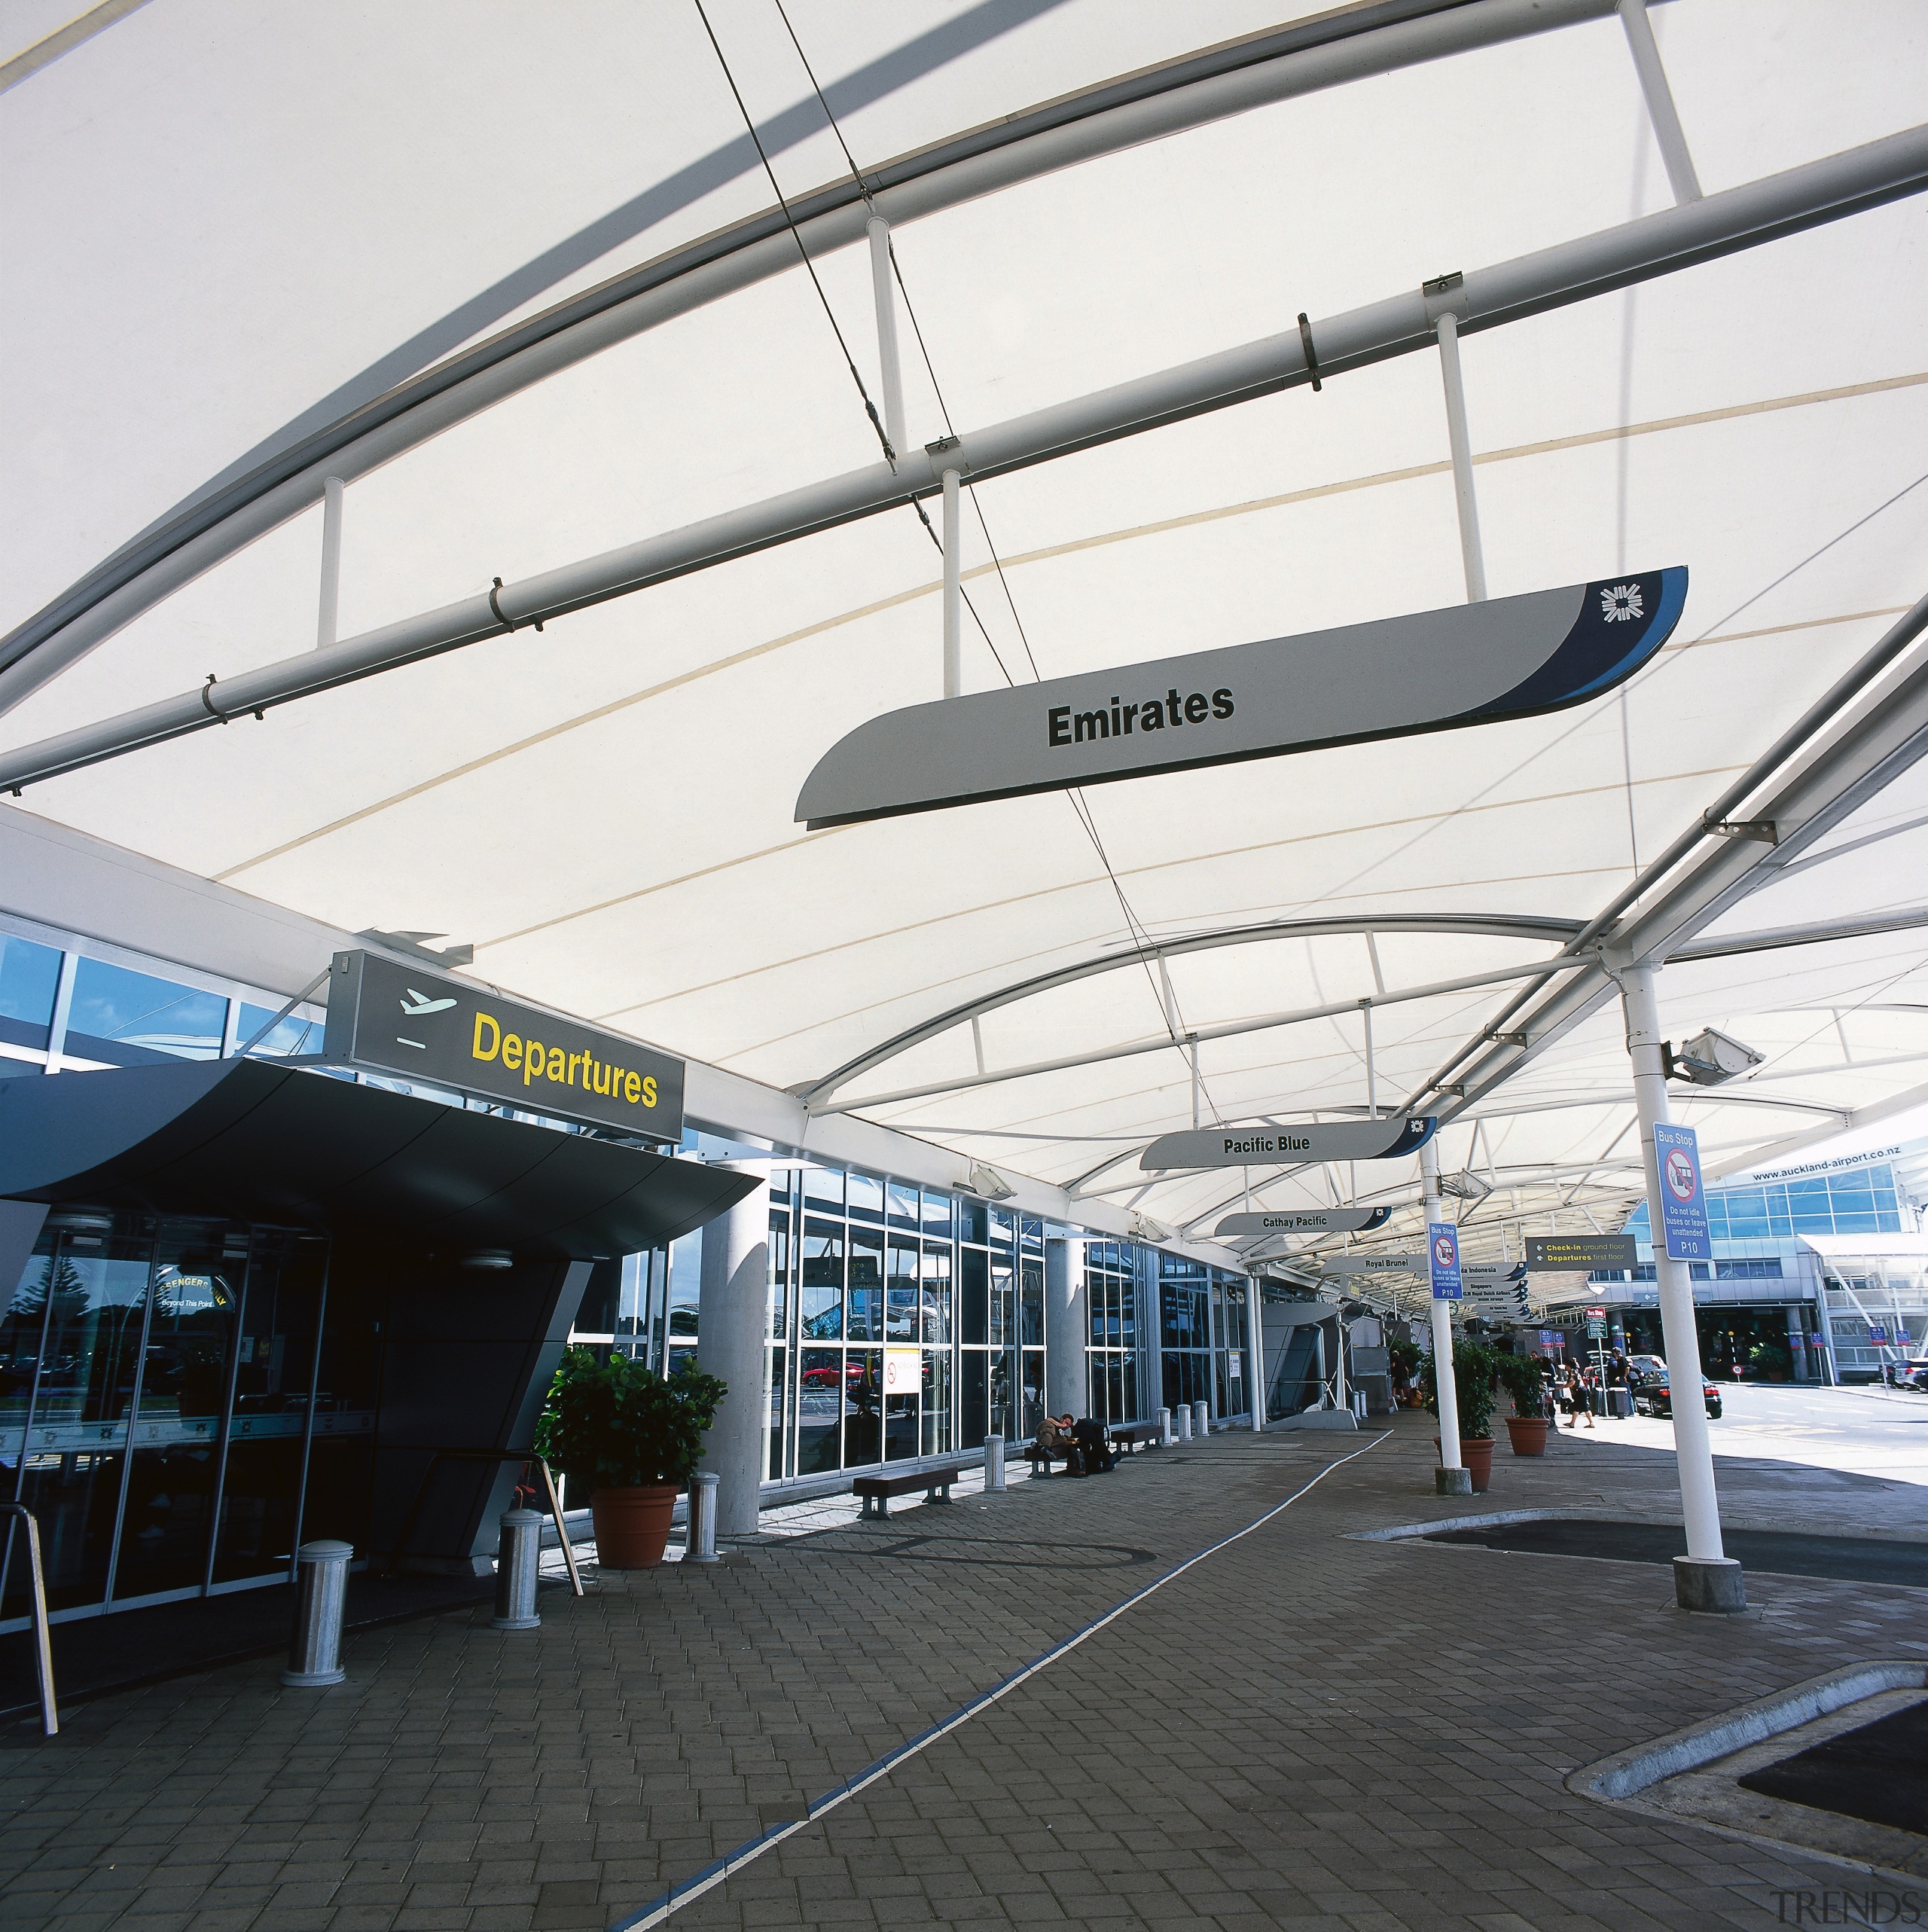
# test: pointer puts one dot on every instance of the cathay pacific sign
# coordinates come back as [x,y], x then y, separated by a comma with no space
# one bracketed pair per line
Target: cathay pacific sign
[1469,664]
[1304,1221]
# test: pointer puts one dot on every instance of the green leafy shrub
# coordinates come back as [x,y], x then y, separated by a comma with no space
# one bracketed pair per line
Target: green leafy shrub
[1473,1381]
[618,1425]
[1520,1376]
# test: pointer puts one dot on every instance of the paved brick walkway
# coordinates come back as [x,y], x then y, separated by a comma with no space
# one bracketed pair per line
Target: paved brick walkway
[1304,1731]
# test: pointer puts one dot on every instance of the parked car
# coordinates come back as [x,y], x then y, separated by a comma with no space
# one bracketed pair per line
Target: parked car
[1912,1375]
[1652,1396]
[1639,1365]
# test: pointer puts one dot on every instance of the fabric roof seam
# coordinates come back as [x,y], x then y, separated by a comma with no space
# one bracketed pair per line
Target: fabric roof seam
[1420,31]
[1735,219]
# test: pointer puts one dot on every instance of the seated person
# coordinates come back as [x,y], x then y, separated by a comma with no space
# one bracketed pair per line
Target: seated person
[1091,1437]
[1054,1437]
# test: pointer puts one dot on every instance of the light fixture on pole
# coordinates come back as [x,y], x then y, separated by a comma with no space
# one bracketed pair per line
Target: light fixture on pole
[988,1183]
[1466,1186]
[1710,1059]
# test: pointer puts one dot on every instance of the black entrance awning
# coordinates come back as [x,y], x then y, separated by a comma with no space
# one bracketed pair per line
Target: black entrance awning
[256,1141]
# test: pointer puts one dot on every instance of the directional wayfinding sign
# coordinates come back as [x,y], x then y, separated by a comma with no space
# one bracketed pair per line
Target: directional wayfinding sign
[1469,664]
[1306,1221]
[1580,1254]
[1369,1264]
[1443,1251]
[1273,1146]
[407,1019]
[1683,1201]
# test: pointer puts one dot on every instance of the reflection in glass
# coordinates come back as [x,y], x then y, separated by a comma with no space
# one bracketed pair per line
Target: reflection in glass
[289,1036]
[30,976]
[1032,1299]
[775,1382]
[823,1189]
[974,1421]
[779,1276]
[937,1401]
[823,1281]
[866,1305]
[866,1198]
[132,1019]
[863,1407]
[819,1411]
[91,1292]
[1034,1390]
[273,1363]
[900,1205]
[935,1299]
[1003,1330]
[901,1317]
[194,1299]
[936,1216]
[973,1309]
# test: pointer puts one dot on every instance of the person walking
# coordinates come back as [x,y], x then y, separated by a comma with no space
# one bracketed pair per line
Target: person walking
[1577,1403]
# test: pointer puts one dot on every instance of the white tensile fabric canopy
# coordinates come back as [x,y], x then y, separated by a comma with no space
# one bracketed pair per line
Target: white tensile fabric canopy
[237,237]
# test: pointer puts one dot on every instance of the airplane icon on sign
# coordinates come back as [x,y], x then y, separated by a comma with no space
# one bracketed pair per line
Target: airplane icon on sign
[423,1005]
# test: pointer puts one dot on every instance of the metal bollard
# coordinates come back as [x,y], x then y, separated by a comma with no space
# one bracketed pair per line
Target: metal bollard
[1201,1418]
[518,1562]
[701,1547]
[1165,1436]
[1183,1416]
[993,1465]
[314,1649]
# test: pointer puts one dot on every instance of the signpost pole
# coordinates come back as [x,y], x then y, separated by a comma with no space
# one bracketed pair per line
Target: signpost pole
[1450,1478]
[953,587]
[1706,1578]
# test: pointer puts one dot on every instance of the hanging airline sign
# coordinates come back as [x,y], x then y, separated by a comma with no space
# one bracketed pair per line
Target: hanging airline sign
[1306,1221]
[1370,1264]
[1468,664]
[1683,1201]
[1263,1146]
[1580,1254]
[420,1024]
[1443,1253]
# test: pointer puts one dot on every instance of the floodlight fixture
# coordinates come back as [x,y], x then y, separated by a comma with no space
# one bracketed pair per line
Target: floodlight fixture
[988,1183]
[1710,1059]
[1466,1186]
[1144,1229]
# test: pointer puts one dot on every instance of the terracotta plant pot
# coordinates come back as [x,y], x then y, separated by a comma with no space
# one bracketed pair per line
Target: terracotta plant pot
[1476,1459]
[1528,1434]
[632,1525]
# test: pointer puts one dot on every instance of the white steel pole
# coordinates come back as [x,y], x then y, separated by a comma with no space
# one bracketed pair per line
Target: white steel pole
[1471,554]
[326,628]
[1451,1477]
[954,589]
[884,291]
[1710,1580]
[1372,1072]
[1660,110]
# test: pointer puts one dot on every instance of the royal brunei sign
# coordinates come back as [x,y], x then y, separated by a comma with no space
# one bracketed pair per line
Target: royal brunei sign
[1471,664]
[1305,1221]
[1273,1146]
[422,1025]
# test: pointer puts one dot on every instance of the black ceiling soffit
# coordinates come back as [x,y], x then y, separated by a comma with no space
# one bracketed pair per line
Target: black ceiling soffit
[256,1141]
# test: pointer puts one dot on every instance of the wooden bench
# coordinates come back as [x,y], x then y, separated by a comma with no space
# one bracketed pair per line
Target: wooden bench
[877,1490]
[1129,1435]
[1040,1458]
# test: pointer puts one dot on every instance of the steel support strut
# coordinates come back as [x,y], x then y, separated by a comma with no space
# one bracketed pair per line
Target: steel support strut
[1655,244]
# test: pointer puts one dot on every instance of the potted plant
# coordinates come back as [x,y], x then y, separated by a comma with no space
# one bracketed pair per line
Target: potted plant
[1473,1384]
[631,1439]
[1526,1426]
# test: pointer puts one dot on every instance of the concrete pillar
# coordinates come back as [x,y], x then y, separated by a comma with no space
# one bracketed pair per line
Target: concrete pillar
[1706,1578]
[1066,1319]
[1797,1344]
[731,1318]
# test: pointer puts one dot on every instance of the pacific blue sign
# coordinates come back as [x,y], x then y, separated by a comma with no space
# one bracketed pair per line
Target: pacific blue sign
[1469,664]
[1305,1221]
[1272,1147]
[412,1022]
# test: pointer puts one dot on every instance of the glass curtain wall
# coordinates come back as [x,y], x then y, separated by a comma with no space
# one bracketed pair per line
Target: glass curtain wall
[165,1412]
[1111,1294]
[1203,1336]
